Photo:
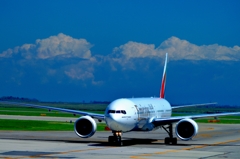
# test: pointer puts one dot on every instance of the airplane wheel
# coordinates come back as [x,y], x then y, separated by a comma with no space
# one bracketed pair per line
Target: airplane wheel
[174,141]
[167,141]
[110,139]
[115,140]
[119,141]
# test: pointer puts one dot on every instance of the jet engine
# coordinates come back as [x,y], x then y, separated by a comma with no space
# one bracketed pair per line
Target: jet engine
[85,126]
[186,129]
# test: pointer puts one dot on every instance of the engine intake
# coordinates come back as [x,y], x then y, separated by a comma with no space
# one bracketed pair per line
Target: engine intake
[186,129]
[85,126]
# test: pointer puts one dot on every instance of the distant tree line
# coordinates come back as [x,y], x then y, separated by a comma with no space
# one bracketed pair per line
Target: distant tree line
[11,98]
[21,99]
[99,102]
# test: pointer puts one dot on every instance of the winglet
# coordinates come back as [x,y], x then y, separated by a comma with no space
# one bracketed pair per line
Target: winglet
[162,91]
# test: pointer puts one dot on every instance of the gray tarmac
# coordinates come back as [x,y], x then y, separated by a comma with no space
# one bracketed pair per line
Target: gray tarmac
[213,141]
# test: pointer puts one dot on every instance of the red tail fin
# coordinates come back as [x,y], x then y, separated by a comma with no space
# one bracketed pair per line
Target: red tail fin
[162,91]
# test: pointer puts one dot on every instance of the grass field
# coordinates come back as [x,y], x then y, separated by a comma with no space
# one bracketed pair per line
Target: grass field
[6,124]
[31,125]
[221,121]
[28,125]
[75,106]
[28,111]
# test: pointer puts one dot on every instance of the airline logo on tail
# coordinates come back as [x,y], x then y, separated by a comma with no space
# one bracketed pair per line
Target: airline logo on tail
[162,91]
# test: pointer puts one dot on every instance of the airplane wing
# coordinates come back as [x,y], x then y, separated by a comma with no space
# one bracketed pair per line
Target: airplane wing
[93,115]
[193,105]
[164,121]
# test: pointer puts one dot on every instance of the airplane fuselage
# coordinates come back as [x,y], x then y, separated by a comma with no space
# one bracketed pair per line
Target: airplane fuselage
[136,114]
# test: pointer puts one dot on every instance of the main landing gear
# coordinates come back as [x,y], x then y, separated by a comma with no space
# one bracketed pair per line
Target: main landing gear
[170,140]
[116,139]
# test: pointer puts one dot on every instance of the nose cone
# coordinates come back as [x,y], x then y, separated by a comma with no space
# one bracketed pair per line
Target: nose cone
[114,122]
[119,115]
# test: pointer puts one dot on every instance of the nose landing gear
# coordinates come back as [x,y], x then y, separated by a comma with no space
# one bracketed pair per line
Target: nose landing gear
[116,139]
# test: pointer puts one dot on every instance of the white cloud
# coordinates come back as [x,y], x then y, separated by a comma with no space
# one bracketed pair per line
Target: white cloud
[60,45]
[178,50]
[66,47]
[63,45]
[134,49]
[79,73]
[7,53]
[82,70]
[130,56]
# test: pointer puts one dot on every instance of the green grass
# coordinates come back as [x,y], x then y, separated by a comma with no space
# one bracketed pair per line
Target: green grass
[32,125]
[230,117]
[221,121]
[25,111]
[8,124]
[75,106]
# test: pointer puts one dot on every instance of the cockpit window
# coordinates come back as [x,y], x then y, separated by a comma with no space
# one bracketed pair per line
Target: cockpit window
[111,111]
[123,112]
[117,111]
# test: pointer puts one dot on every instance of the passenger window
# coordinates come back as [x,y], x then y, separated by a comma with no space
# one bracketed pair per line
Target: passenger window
[118,111]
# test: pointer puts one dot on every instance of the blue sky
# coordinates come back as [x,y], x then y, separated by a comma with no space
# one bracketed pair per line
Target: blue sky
[102,50]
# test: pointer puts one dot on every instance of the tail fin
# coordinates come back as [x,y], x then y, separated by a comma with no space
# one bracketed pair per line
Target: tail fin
[162,91]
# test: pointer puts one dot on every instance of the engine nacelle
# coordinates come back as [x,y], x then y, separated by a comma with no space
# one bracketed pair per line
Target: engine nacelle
[186,129]
[85,126]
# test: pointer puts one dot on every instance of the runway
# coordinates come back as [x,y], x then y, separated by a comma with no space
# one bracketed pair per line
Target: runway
[213,141]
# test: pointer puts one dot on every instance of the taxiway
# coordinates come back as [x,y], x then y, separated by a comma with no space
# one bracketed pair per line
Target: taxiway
[212,141]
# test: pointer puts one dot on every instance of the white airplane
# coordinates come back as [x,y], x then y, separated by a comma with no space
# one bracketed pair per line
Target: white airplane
[136,114]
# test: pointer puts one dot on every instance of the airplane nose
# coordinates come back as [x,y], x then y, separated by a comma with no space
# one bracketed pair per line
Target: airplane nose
[113,122]
[111,119]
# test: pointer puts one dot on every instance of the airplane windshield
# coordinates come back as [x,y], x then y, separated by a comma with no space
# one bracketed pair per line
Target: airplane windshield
[111,111]
[117,111]
[123,112]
